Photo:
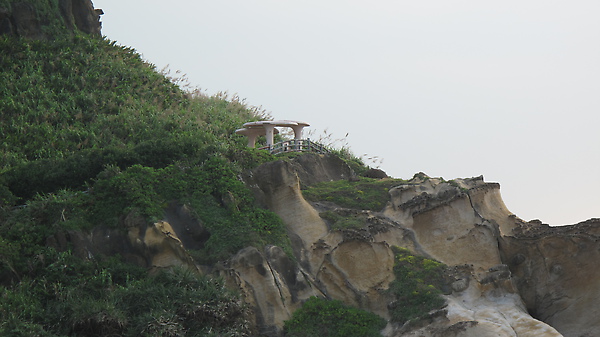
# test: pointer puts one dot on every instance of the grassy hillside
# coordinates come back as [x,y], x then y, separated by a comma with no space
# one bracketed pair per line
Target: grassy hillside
[92,133]
[86,115]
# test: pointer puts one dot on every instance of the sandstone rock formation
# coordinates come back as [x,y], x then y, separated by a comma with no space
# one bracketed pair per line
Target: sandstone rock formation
[506,277]
[462,223]
[555,271]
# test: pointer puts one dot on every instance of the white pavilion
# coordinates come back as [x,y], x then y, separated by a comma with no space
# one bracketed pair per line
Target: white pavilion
[253,130]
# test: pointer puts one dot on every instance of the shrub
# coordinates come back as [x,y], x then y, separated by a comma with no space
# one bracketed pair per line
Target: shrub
[417,287]
[108,297]
[332,318]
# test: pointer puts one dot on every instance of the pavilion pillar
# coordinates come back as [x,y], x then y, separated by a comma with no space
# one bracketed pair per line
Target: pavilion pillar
[297,131]
[269,132]
[252,139]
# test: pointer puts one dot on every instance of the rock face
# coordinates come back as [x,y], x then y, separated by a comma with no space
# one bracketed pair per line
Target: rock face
[555,270]
[22,19]
[505,277]
[462,223]
[152,246]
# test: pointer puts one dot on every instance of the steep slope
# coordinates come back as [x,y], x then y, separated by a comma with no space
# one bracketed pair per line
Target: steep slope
[504,277]
[97,148]
[121,196]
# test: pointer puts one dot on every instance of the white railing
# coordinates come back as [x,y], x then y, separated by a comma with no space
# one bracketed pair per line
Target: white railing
[296,145]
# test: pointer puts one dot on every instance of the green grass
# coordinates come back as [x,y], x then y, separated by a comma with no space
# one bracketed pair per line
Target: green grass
[417,287]
[84,114]
[366,193]
[331,318]
[339,221]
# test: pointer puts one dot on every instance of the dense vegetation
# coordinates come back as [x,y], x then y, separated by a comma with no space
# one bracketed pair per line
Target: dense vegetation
[417,287]
[91,134]
[331,318]
[70,297]
[85,115]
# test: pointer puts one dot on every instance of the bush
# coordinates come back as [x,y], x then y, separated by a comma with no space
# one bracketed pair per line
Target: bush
[417,287]
[108,297]
[332,318]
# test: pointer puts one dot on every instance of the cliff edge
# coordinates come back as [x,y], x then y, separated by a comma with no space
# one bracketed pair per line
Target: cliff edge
[505,277]
[501,276]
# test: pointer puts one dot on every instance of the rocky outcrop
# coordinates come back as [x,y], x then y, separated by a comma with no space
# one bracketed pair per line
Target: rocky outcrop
[23,19]
[458,222]
[505,277]
[271,283]
[555,271]
[277,186]
[152,246]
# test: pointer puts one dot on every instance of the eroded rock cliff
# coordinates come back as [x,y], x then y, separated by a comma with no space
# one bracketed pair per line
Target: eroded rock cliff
[555,271]
[462,223]
[504,277]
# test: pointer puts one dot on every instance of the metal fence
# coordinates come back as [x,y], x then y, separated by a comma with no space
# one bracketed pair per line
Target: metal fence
[296,145]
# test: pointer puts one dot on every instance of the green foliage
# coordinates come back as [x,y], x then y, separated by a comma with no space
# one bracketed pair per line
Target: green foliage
[108,297]
[338,221]
[332,318]
[73,105]
[355,163]
[213,190]
[366,193]
[417,286]
[91,134]
[47,12]
[84,114]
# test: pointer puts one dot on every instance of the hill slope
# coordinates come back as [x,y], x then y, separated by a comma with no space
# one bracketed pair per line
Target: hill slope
[93,136]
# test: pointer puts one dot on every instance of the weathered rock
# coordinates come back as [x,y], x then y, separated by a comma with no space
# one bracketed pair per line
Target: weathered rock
[455,222]
[271,283]
[85,17]
[279,185]
[315,168]
[358,272]
[189,229]
[153,246]
[505,277]
[555,271]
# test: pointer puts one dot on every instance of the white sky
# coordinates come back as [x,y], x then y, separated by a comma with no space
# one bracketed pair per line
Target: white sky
[508,89]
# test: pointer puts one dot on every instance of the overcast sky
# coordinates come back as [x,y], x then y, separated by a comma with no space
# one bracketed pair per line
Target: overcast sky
[505,89]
